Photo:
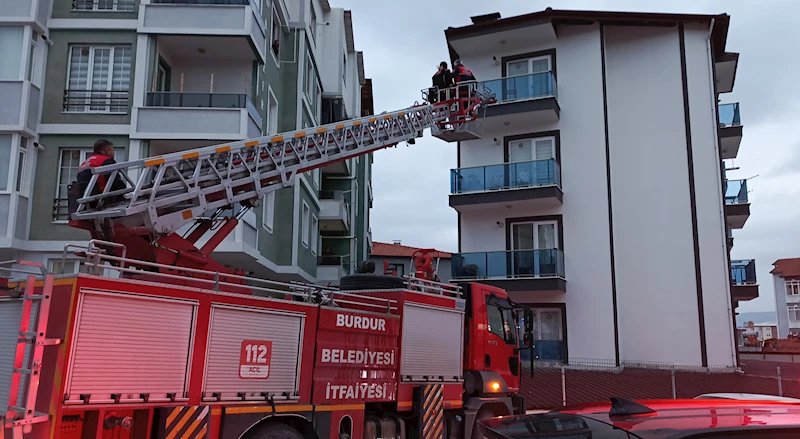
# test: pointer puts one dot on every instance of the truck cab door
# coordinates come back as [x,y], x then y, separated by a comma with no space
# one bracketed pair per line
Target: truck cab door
[502,340]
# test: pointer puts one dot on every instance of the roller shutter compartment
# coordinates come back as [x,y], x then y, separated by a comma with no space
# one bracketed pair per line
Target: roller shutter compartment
[432,343]
[130,345]
[279,336]
[10,314]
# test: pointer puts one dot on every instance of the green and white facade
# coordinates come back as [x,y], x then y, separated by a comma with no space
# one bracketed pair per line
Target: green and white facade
[160,76]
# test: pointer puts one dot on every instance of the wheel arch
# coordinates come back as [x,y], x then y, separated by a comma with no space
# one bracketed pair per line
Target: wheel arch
[294,420]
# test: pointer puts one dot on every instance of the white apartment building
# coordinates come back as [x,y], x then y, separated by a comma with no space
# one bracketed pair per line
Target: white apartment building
[786,282]
[595,191]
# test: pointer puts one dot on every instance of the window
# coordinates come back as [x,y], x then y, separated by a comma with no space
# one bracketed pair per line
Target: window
[305,219]
[268,212]
[11,51]
[792,287]
[22,168]
[31,57]
[313,22]
[5,160]
[528,78]
[316,176]
[398,269]
[548,334]
[528,66]
[314,234]
[102,5]
[794,313]
[311,85]
[275,32]
[272,113]
[533,247]
[526,150]
[344,68]
[501,319]
[99,79]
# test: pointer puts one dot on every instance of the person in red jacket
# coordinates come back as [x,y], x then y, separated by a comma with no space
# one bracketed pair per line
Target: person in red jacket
[461,73]
[103,155]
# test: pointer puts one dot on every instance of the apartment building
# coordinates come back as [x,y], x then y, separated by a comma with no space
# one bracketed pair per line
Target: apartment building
[162,76]
[594,189]
[23,52]
[786,284]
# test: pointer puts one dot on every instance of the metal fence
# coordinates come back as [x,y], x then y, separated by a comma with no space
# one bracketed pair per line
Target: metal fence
[590,380]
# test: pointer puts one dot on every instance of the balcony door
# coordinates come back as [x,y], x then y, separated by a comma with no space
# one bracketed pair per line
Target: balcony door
[530,161]
[529,244]
[527,78]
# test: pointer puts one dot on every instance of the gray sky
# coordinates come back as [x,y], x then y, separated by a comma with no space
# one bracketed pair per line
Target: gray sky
[403,41]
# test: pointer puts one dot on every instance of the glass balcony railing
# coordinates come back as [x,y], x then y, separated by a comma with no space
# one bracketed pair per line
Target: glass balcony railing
[202,100]
[743,272]
[508,264]
[515,88]
[505,176]
[729,115]
[736,192]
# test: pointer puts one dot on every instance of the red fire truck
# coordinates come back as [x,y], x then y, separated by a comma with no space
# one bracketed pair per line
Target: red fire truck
[154,339]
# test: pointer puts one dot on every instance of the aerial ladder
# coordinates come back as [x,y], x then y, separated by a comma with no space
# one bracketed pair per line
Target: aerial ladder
[203,186]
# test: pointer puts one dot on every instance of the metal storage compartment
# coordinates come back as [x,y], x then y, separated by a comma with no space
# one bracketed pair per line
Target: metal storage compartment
[129,345]
[230,326]
[432,343]
[10,314]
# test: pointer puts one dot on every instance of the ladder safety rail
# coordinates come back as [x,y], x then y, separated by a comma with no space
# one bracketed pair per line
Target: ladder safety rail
[98,261]
[165,192]
[433,287]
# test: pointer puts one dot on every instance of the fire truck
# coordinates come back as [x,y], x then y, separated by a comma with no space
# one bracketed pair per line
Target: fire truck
[155,339]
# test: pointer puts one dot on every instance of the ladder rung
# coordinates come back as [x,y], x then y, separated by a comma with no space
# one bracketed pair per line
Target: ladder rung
[28,334]
[23,371]
[34,297]
[48,341]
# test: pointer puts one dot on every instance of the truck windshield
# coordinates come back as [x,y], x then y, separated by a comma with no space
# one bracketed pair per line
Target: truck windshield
[501,319]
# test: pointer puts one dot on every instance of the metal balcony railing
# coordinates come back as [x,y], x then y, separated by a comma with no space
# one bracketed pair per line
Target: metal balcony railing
[743,272]
[103,5]
[515,88]
[195,100]
[505,176]
[60,209]
[508,264]
[736,192]
[729,115]
[95,101]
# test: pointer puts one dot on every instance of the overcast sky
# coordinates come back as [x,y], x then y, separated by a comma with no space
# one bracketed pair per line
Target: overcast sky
[403,41]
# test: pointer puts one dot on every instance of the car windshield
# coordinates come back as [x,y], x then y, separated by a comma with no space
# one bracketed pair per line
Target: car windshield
[501,319]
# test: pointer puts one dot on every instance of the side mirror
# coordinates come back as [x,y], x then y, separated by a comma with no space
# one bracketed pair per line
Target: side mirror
[528,320]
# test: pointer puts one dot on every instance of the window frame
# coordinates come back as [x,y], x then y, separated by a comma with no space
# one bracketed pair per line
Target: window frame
[21,183]
[115,8]
[530,61]
[268,212]
[275,34]
[272,98]
[314,235]
[30,68]
[313,21]
[533,140]
[793,308]
[90,76]
[85,153]
[536,243]
[344,69]
[792,287]
[305,219]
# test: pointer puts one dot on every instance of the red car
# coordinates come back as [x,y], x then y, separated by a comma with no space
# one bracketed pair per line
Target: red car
[656,419]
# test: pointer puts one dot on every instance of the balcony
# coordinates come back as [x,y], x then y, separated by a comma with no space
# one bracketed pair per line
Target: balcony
[537,181]
[226,18]
[726,65]
[743,280]
[331,268]
[524,99]
[737,206]
[206,116]
[340,168]
[517,271]
[334,212]
[730,130]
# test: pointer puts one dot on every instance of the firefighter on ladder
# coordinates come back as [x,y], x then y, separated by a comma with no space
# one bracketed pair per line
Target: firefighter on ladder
[103,155]
[462,76]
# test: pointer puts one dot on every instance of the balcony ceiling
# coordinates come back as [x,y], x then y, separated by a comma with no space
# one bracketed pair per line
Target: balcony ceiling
[215,47]
[511,40]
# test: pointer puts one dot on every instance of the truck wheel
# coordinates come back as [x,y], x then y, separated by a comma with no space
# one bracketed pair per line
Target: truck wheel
[355,282]
[277,431]
[483,413]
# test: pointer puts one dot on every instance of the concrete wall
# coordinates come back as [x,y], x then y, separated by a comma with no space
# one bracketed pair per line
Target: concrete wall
[781,310]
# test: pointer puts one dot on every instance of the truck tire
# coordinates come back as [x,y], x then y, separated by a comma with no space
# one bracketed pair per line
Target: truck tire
[277,431]
[355,282]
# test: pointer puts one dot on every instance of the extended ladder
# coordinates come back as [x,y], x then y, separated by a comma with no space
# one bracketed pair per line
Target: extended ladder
[168,191]
[31,341]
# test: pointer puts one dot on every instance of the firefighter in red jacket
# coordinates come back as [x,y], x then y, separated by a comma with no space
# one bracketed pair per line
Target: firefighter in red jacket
[103,155]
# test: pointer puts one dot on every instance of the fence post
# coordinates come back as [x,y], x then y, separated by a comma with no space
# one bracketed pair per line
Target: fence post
[563,387]
[674,390]
[780,382]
